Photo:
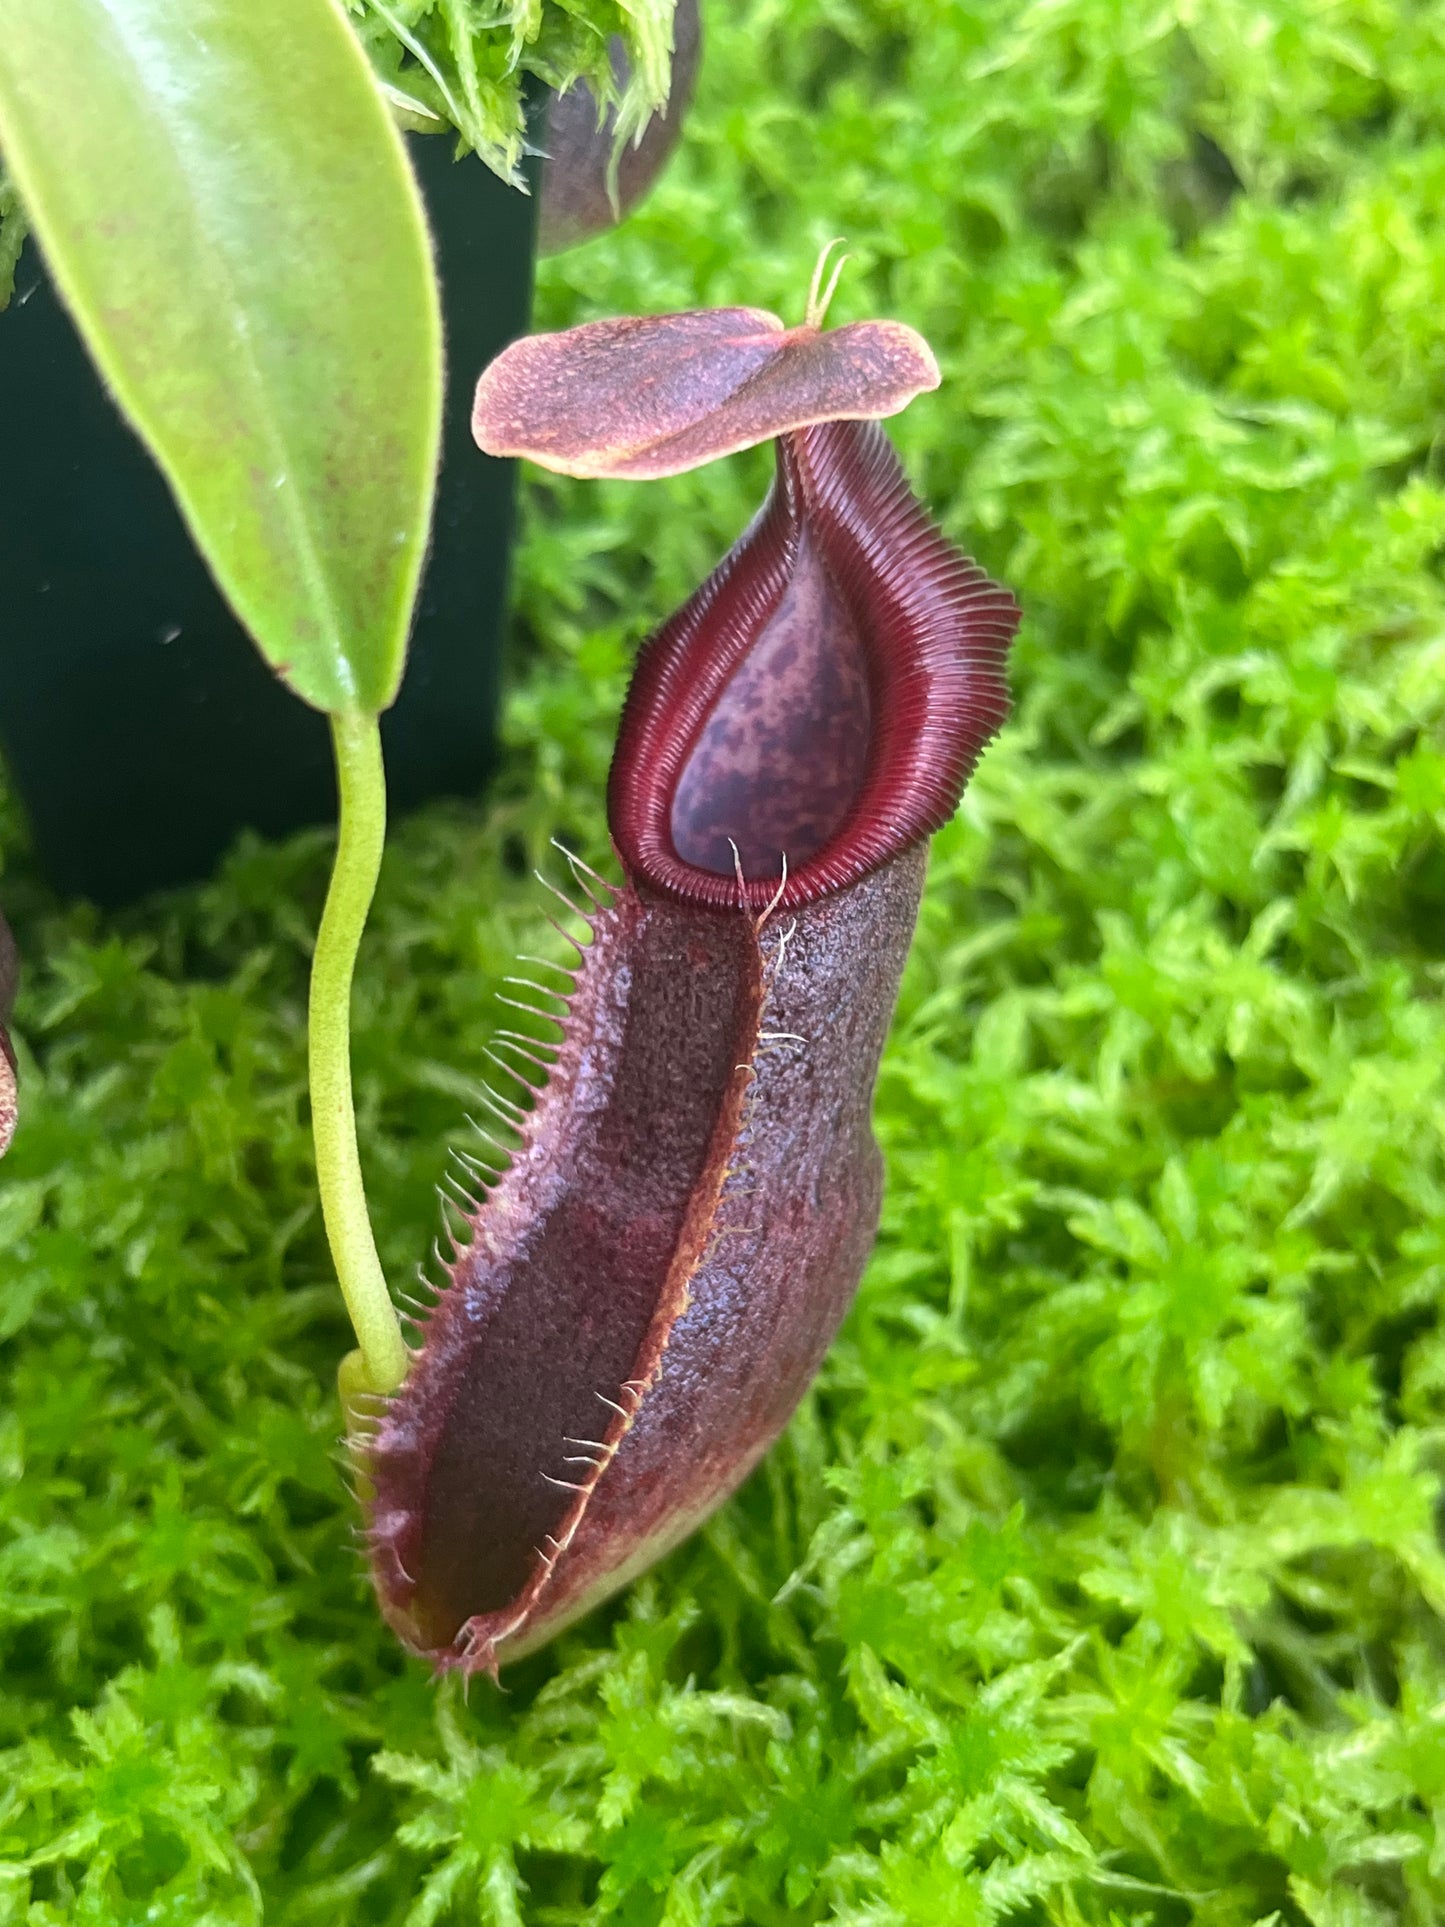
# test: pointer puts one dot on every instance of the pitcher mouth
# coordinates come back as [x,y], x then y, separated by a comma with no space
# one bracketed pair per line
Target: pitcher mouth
[818,705]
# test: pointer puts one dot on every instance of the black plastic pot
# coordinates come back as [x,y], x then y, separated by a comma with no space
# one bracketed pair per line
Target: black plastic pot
[138,721]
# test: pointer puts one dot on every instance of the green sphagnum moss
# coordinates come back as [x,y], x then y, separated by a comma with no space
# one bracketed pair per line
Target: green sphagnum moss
[464,63]
[1098,1582]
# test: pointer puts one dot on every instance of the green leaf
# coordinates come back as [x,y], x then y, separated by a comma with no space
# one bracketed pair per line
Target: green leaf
[230,216]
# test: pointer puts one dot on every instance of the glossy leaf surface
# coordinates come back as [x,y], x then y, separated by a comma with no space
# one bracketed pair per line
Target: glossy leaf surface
[230,216]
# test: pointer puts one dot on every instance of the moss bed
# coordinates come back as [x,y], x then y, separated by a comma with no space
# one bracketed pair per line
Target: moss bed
[1098,1578]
